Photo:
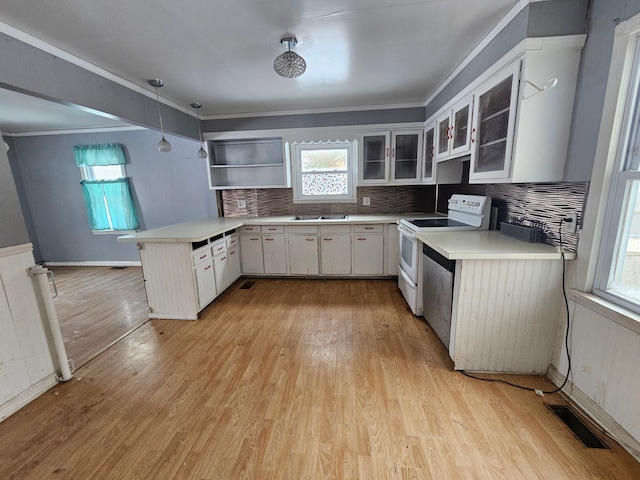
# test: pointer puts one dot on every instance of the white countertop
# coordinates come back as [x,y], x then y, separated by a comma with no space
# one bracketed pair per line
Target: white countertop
[198,230]
[488,245]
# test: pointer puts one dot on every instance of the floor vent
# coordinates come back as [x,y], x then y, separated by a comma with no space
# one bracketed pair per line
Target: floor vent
[576,425]
[121,267]
[247,285]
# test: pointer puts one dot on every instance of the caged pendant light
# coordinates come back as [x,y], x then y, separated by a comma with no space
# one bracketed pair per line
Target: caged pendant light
[289,64]
[202,153]
[163,145]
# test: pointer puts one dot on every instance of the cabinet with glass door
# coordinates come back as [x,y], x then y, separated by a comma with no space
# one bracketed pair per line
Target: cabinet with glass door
[453,130]
[390,157]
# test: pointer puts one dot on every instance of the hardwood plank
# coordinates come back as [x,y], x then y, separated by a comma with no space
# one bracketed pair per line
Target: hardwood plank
[96,306]
[326,379]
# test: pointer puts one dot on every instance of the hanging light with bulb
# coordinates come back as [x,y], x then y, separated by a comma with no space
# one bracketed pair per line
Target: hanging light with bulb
[289,64]
[202,153]
[163,144]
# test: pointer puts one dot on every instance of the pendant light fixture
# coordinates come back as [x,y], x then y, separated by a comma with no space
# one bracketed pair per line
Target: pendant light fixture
[289,64]
[202,153]
[163,145]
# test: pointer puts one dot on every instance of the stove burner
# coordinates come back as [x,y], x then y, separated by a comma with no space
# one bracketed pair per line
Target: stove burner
[436,222]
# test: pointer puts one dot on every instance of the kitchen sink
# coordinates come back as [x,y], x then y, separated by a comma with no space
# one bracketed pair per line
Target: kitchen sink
[320,217]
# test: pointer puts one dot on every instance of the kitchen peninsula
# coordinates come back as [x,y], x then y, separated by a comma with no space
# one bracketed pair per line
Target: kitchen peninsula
[187,265]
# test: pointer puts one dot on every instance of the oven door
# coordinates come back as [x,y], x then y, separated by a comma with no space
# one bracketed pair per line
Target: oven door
[409,253]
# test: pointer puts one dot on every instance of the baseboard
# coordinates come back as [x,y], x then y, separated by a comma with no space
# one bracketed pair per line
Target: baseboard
[34,391]
[169,316]
[94,264]
[597,414]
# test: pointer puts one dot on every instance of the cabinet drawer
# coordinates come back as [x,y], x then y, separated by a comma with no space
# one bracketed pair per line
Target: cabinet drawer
[335,228]
[201,255]
[377,228]
[302,229]
[250,229]
[219,247]
[272,229]
[232,241]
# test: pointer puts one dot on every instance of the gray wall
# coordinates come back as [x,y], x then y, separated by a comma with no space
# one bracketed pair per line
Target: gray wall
[168,188]
[307,120]
[47,76]
[592,84]
[13,230]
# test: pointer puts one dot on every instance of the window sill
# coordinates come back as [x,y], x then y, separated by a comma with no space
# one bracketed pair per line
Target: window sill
[620,315]
[112,232]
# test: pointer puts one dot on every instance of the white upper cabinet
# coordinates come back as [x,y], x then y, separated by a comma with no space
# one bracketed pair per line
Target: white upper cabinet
[453,130]
[522,115]
[390,157]
[495,123]
[442,172]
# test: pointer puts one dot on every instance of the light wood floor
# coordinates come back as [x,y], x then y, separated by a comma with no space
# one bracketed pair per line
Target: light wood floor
[96,306]
[294,379]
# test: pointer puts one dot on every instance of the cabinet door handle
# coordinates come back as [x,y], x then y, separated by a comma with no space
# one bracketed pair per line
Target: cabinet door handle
[387,156]
[473,131]
[310,239]
[393,152]
[207,267]
[272,229]
[203,256]
[450,133]
[268,239]
[361,239]
[368,228]
[232,253]
[327,239]
[254,239]
[249,229]
[223,258]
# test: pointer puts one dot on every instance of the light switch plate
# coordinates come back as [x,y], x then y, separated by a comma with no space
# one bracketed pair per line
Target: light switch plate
[242,204]
[366,200]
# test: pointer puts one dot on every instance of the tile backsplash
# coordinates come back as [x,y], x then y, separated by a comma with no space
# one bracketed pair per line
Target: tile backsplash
[279,201]
[542,202]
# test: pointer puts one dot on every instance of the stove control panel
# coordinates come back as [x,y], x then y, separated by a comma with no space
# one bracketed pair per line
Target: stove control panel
[475,204]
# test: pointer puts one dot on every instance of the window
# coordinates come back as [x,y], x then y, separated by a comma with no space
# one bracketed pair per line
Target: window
[618,270]
[105,188]
[324,172]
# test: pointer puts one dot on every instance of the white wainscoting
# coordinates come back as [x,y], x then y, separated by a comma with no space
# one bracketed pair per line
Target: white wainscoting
[604,380]
[27,358]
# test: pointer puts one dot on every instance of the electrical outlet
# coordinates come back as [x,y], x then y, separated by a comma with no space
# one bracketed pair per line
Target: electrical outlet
[242,204]
[366,200]
[570,223]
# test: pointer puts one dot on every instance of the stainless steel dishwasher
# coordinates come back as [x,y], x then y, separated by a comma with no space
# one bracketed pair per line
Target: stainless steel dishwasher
[437,290]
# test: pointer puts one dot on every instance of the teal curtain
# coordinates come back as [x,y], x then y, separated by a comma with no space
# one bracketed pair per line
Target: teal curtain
[99,155]
[106,199]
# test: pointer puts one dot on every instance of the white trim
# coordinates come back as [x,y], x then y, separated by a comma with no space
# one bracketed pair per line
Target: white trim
[596,413]
[295,134]
[25,397]
[69,57]
[16,250]
[75,131]
[485,41]
[97,263]
[311,111]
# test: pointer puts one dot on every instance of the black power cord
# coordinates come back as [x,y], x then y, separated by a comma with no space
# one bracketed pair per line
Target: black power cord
[566,335]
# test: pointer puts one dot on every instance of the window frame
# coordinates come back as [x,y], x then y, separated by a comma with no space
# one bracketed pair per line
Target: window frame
[618,216]
[89,173]
[352,171]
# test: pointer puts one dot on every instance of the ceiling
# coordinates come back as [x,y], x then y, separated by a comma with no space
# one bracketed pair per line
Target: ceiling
[359,53]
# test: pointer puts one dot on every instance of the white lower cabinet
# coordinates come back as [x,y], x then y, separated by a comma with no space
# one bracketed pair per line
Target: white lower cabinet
[251,254]
[205,282]
[367,256]
[393,249]
[221,269]
[303,254]
[235,269]
[335,252]
[275,254]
